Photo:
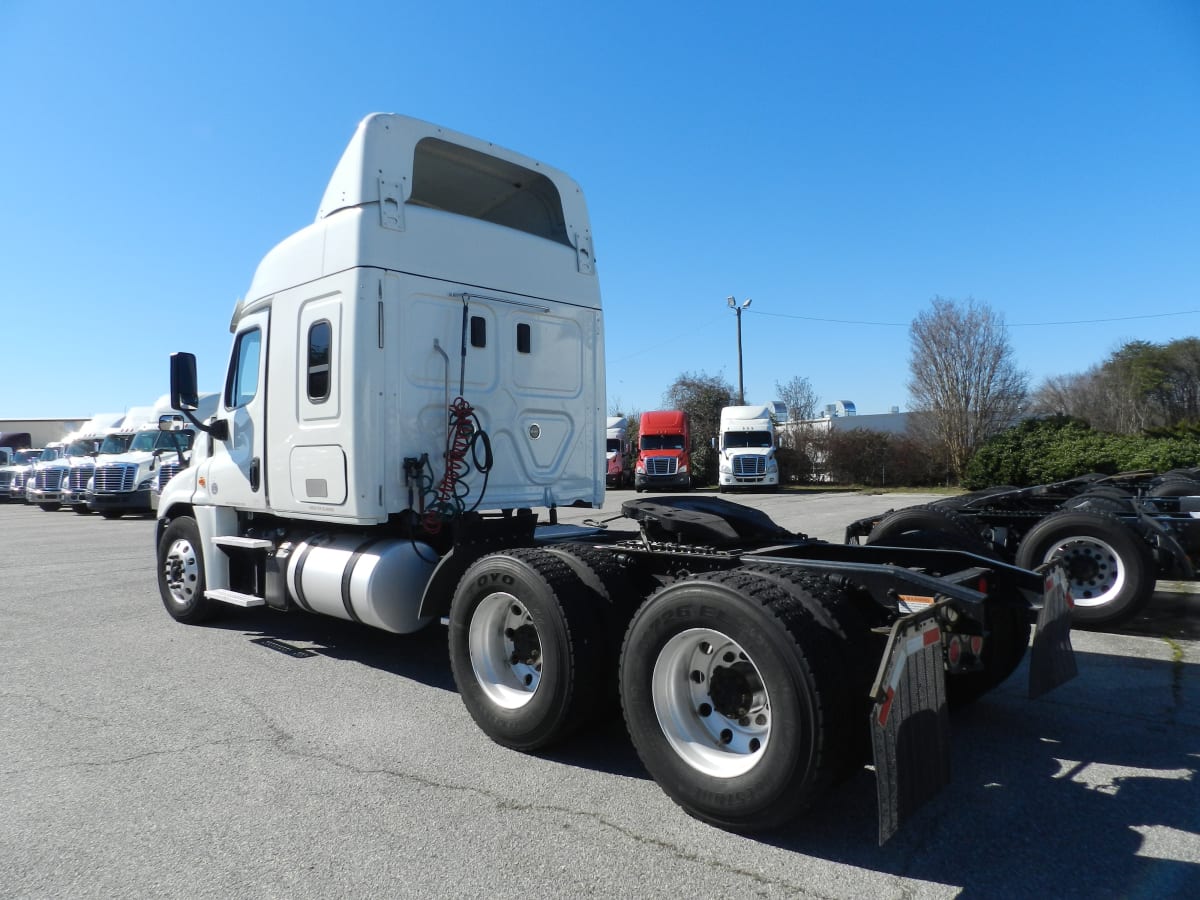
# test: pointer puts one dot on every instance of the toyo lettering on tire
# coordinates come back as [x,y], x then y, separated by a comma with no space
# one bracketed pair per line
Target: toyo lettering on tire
[181,573]
[1109,567]
[526,647]
[730,693]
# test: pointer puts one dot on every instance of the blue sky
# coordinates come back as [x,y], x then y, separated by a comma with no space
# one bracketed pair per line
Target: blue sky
[841,164]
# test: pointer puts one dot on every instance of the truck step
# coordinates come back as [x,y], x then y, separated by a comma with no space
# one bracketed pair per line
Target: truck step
[234,597]
[234,542]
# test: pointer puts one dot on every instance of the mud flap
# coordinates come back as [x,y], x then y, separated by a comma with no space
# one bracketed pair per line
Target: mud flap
[1052,659]
[910,730]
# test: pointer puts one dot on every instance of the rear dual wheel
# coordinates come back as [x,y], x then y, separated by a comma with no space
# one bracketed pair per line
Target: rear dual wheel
[1110,569]
[732,693]
[1008,627]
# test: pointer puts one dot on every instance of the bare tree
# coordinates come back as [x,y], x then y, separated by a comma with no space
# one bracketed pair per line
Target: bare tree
[798,395]
[1141,385]
[964,383]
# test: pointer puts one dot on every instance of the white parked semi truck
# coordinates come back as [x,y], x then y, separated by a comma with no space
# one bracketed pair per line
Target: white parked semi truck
[124,483]
[52,483]
[416,386]
[746,449]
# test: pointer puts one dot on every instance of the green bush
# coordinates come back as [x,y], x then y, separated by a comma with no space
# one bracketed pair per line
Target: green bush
[1043,450]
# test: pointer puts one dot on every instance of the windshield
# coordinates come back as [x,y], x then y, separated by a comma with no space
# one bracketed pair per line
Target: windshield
[81,447]
[614,445]
[143,440]
[25,457]
[172,440]
[116,443]
[748,439]
[51,453]
[662,441]
[162,440]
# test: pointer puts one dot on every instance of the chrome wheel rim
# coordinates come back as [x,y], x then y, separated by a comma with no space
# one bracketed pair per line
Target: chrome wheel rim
[1094,569]
[711,703]
[181,568]
[505,650]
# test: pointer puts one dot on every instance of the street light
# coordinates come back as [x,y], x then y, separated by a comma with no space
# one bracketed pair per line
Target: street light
[733,304]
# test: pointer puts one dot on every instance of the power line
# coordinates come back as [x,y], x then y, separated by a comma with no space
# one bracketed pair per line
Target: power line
[1186,312]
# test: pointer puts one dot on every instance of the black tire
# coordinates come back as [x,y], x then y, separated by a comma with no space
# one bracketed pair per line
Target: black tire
[1107,490]
[181,581]
[934,527]
[1110,570]
[82,509]
[111,513]
[731,692]
[1005,645]
[620,590]
[50,507]
[1100,503]
[526,647]
[847,618]
[1176,486]
[974,498]
[1007,626]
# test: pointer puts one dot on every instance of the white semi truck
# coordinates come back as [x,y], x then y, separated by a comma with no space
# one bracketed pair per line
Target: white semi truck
[52,483]
[617,453]
[124,483]
[746,449]
[419,370]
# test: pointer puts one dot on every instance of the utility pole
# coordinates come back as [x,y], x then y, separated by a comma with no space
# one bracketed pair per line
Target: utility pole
[733,304]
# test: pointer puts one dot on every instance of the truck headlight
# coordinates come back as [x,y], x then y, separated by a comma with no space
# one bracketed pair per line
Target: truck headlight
[726,468]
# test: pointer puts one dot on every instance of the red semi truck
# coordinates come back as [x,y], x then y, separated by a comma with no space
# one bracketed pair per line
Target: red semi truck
[664,442]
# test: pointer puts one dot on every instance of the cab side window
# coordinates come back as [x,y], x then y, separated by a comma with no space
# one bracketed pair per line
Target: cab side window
[320,336]
[242,383]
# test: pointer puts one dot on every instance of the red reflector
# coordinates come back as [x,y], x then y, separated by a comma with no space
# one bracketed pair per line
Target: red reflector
[976,644]
[982,585]
[954,651]
[886,707]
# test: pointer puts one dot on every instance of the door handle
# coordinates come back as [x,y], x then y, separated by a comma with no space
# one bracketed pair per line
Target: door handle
[255,478]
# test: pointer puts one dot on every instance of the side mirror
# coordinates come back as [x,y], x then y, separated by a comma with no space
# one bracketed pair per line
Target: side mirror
[184,393]
[171,423]
[185,397]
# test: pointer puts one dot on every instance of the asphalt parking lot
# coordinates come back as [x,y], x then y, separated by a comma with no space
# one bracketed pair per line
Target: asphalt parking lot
[271,755]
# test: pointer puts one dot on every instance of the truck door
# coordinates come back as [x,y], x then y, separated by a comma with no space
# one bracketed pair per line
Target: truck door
[236,470]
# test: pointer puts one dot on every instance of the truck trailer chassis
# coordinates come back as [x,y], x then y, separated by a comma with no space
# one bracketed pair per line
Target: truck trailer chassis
[1115,534]
[755,667]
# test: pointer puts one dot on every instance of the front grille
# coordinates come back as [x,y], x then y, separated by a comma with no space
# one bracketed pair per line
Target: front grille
[49,479]
[114,478]
[80,476]
[6,479]
[661,465]
[18,482]
[746,465]
[166,472]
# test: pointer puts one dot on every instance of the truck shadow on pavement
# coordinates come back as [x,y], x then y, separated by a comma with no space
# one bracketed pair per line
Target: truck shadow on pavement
[1091,791]
[420,656]
[1084,795]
